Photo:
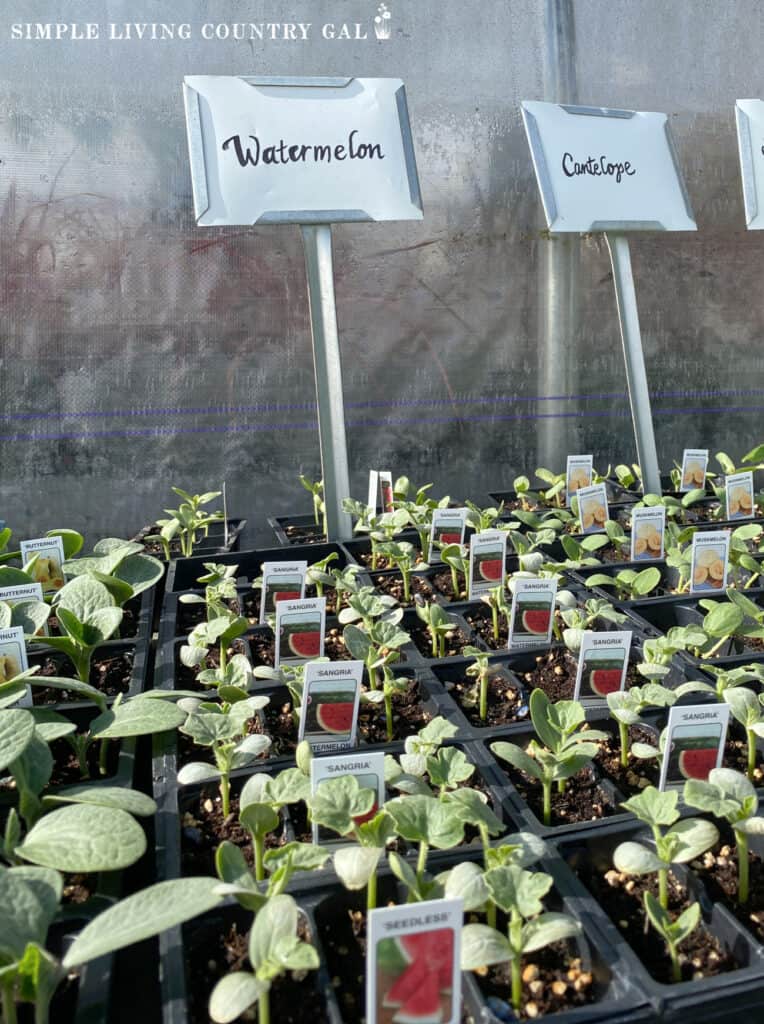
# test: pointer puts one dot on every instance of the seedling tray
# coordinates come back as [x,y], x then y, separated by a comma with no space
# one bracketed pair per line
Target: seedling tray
[184,573]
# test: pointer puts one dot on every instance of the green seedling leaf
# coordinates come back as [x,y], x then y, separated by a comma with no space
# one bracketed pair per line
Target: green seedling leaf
[84,837]
[137,718]
[424,819]
[17,728]
[234,994]
[138,917]
[465,882]
[513,888]
[355,865]
[50,725]
[546,929]
[338,801]
[197,771]
[99,795]
[483,946]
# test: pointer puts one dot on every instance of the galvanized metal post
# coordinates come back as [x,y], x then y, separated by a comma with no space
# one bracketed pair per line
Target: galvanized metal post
[560,297]
[636,375]
[317,239]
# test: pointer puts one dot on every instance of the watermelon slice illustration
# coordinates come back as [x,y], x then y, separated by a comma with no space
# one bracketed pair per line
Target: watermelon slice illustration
[418,989]
[491,569]
[696,764]
[536,620]
[361,818]
[305,644]
[336,716]
[446,537]
[605,680]
[286,595]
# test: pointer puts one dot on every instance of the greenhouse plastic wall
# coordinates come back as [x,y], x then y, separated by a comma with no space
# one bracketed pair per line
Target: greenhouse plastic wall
[139,350]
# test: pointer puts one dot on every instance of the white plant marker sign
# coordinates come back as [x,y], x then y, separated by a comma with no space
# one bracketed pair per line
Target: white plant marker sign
[613,171]
[307,151]
[749,115]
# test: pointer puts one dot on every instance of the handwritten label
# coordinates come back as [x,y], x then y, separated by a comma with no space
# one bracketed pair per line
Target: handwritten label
[312,149]
[596,167]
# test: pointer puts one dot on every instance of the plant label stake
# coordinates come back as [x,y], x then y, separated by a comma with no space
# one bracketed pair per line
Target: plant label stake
[313,152]
[603,661]
[13,659]
[708,568]
[300,628]
[369,770]
[413,962]
[612,171]
[48,553]
[532,615]
[739,494]
[329,713]
[21,593]
[749,115]
[648,531]
[488,557]
[694,742]
[282,581]
[694,465]
[225,518]
[380,490]
[447,527]
[593,510]
[578,474]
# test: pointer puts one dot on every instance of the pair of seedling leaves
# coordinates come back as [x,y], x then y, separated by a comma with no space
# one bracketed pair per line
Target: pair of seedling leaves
[94,830]
[187,521]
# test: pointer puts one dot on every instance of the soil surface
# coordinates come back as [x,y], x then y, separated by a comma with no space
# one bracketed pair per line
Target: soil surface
[393,585]
[584,799]
[701,955]
[294,997]
[444,585]
[639,774]
[719,871]
[190,615]
[456,641]
[204,827]
[555,674]
[506,701]
[305,534]
[552,982]
[109,673]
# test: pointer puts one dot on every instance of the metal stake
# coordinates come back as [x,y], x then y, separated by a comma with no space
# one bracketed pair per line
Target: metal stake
[636,376]
[317,239]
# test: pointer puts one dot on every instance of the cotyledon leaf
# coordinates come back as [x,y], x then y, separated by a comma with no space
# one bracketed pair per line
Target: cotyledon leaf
[84,837]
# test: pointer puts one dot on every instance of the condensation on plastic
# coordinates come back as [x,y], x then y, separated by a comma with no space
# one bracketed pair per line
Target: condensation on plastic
[140,351]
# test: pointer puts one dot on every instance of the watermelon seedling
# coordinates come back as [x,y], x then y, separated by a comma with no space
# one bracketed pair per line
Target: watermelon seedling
[730,795]
[519,894]
[566,748]
[482,676]
[672,931]
[675,841]
[496,601]
[455,557]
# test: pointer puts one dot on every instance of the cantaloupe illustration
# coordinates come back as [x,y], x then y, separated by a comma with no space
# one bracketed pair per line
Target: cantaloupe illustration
[654,539]
[700,575]
[693,474]
[578,478]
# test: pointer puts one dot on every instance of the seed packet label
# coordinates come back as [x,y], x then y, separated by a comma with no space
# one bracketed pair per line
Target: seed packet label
[448,525]
[47,570]
[694,464]
[532,615]
[578,474]
[602,663]
[739,493]
[380,490]
[300,628]
[593,510]
[648,530]
[412,963]
[708,570]
[695,737]
[13,659]
[282,581]
[330,696]
[488,553]
[369,770]
[24,592]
